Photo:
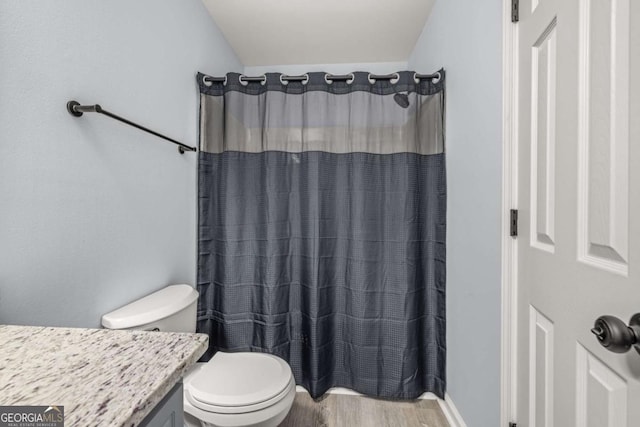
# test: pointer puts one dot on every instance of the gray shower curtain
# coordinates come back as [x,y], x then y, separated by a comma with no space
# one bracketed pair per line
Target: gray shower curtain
[322,222]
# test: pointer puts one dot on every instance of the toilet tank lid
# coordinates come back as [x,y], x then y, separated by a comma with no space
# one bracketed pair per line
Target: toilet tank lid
[153,307]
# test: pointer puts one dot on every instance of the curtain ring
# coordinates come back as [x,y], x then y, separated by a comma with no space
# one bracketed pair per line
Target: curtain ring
[433,79]
[245,80]
[209,83]
[350,78]
[393,80]
[285,80]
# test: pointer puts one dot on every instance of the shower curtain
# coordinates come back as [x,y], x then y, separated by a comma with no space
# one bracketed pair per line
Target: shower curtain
[322,221]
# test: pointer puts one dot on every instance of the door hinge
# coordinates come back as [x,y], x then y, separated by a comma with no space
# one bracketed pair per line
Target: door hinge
[513,228]
[515,10]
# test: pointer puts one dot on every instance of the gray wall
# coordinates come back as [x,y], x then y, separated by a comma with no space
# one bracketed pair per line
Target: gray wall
[465,36]
[94,213]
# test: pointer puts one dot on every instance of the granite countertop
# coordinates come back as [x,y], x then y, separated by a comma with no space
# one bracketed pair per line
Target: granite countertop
[102,377]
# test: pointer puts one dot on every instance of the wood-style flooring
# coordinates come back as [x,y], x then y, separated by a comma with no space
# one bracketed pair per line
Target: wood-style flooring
[340,410]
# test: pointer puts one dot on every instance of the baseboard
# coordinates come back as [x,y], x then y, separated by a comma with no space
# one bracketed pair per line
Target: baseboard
[333,390]
[349,392]
[451,412]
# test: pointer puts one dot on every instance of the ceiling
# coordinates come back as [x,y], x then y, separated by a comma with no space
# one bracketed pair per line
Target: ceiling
[281,32]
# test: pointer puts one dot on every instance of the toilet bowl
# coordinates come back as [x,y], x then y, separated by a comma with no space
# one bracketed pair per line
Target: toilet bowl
[238,389]
[230,390]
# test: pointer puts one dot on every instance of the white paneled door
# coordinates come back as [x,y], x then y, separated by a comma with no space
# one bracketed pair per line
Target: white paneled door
[578,74]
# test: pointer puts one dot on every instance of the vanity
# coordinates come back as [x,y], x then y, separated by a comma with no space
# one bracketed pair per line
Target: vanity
[101,377]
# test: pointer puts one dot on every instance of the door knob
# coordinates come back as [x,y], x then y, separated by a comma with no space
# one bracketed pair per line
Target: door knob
[614,335]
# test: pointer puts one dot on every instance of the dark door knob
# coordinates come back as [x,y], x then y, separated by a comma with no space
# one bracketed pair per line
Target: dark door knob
[614,335]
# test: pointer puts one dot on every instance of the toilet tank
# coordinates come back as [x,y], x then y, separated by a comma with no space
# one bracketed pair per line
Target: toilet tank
[171,309]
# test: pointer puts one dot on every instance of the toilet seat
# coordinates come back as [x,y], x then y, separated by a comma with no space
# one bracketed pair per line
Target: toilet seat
[237,383]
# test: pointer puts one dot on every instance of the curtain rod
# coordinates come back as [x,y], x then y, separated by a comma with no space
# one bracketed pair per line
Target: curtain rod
[75,109]
[305,77]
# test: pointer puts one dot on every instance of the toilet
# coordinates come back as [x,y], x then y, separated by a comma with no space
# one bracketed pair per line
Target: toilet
[230,390]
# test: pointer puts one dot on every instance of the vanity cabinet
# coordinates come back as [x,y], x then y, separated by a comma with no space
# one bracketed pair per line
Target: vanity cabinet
[169,412]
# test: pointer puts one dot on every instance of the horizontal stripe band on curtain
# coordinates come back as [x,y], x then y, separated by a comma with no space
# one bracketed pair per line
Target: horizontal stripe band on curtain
[322,228]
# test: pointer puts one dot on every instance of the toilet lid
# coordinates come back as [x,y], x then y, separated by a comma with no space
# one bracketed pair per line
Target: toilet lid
[240,379]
